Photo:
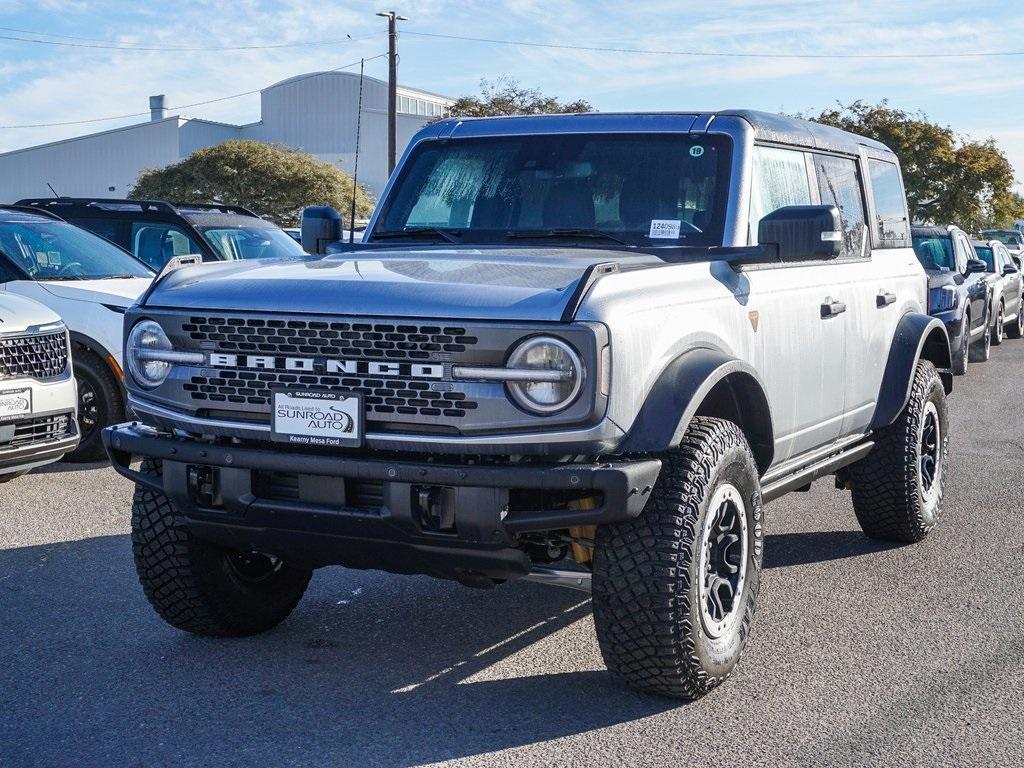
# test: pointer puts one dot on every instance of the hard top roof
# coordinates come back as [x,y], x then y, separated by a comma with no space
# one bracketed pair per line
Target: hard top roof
[929,231]
[767,126]
[84,206]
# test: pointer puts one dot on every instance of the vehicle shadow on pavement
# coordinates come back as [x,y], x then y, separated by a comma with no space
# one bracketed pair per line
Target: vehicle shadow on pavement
[782,550]
[70,466]
[371,669]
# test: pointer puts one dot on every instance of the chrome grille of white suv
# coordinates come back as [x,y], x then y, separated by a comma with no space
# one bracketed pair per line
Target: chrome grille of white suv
[37,356]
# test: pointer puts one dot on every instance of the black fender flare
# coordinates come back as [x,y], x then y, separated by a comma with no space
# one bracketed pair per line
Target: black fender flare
[685,385]
[80,339]
[90,343]
[917,336]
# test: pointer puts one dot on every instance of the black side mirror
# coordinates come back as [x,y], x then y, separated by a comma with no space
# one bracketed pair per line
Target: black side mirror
[803,232]
[321,224]
[1009,269]
[976,265]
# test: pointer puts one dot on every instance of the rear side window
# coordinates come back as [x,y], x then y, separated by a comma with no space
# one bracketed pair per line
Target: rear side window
[780,179]
[839,185]
[892,223]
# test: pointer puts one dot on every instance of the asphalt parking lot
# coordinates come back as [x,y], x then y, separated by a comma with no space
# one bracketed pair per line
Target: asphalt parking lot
[862,653]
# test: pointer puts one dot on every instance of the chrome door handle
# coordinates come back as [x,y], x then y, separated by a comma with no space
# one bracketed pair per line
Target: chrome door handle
[885,298]
[830,308]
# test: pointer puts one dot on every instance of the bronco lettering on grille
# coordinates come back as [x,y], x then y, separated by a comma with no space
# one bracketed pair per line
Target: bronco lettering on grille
[328,365]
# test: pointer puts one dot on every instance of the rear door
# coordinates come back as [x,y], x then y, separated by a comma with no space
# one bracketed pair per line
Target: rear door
[1011,282]
[890,281]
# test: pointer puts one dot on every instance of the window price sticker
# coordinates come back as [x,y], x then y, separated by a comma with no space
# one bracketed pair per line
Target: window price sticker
[664,229]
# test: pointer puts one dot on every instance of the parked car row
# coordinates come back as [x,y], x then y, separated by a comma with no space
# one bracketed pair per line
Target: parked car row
[975,287]
[82,263]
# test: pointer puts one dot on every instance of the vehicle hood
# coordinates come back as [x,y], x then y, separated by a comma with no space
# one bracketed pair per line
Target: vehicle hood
[18,313]
[483,284]
[118,292]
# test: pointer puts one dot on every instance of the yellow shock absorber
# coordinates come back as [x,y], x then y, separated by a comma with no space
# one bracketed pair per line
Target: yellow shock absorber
[580,553]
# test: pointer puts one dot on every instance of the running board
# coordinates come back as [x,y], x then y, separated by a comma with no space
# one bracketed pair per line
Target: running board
[555,577]
[811,472]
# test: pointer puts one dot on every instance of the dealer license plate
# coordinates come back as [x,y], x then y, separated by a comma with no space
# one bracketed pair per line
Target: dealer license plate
[15,403]
[317,417]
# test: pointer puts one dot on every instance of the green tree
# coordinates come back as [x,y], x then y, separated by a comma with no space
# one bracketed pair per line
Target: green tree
[949,178]
[274,181]
[506,96]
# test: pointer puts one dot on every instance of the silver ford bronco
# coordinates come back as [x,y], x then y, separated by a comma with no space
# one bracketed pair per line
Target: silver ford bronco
[583,349]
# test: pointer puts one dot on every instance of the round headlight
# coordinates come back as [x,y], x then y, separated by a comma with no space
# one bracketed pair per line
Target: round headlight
[559,374]
[145,338]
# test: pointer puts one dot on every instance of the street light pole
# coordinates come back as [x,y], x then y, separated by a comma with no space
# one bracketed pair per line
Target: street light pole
[393,19]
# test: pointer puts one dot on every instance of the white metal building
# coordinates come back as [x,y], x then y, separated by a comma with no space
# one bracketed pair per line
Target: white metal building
[315,113]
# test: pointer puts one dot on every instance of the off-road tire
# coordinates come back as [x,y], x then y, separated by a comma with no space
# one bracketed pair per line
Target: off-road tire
[100,404]
[891,498]
[998,327]
[1015,328]
[193,585]
[981,350]
[647,578]
[962,353]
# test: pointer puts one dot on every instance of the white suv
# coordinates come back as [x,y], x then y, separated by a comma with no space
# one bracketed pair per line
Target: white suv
[87,281]
[37,390]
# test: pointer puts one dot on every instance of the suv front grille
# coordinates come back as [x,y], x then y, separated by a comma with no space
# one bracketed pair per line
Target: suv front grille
[38,356]
[389,398]
[269,336]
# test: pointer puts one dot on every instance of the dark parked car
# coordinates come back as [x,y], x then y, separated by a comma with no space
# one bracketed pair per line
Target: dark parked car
[959,291]
[155,231]
[1005,276]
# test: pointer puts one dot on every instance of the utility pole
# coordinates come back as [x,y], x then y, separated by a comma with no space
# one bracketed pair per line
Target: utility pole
[393,19]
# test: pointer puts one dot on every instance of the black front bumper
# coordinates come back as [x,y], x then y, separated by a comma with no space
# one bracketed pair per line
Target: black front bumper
[221,493]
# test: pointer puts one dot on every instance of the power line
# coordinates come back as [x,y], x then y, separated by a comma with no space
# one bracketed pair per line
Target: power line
[113,45]
[718,54]
[184,106]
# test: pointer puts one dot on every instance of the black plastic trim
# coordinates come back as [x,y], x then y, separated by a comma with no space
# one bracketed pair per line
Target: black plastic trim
[908,346]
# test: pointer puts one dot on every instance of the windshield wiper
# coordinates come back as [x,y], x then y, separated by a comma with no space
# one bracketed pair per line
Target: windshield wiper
[411,232]
[567,233]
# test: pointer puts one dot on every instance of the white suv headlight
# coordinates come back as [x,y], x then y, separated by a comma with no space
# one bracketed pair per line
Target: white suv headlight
[557,379]
[146,364]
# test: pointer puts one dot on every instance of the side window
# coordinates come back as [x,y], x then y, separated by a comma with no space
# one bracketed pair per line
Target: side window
[892,223]
[156,243]
[780,179]
[839,185]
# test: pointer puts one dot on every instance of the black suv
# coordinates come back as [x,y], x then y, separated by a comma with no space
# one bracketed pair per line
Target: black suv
[959,291]
[155,230]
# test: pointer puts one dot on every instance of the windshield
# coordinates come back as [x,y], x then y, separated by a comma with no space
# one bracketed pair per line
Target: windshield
[53,250]
[632,189]
[1005,237]
[935,252]
[251,242]
[985,254]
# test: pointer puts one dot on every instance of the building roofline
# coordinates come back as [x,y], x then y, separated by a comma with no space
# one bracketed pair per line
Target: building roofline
[70,139]
[407,90]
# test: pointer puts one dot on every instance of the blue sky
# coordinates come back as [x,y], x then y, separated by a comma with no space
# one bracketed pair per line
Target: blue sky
[978,96]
